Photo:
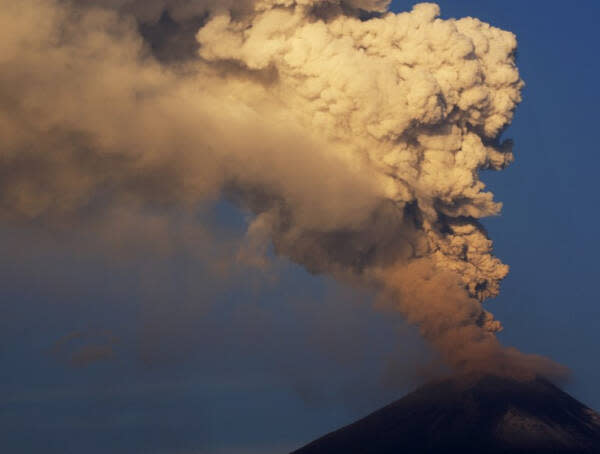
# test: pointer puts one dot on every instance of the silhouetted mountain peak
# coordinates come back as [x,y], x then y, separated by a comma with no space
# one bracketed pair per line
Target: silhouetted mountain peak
[472,414]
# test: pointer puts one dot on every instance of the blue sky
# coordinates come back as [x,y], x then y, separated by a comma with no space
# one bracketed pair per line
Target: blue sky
[547,232]
[270,363]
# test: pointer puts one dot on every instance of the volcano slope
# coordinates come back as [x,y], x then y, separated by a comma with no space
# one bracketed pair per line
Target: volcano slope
[485,414]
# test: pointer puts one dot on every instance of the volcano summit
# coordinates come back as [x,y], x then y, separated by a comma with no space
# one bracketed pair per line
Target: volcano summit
[484,414]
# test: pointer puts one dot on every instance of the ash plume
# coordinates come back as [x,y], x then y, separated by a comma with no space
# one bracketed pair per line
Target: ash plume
[355,136]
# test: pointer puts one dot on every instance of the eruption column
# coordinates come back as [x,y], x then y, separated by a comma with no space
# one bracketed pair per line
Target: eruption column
[354,134]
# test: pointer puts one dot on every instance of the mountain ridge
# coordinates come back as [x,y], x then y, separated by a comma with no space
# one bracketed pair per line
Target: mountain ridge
[472,414]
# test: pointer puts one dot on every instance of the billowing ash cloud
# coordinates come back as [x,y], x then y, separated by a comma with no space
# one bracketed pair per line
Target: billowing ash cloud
[355,135]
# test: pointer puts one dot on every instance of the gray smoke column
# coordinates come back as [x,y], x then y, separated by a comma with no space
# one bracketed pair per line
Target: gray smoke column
[354,134]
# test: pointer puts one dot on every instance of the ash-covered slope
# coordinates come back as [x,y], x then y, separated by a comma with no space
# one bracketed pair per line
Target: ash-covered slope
[480,415]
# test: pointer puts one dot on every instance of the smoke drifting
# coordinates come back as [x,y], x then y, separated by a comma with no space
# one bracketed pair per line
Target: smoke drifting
[354,135]
[83,348]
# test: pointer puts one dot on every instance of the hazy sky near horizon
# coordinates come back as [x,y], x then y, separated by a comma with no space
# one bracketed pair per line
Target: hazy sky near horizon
[151,356]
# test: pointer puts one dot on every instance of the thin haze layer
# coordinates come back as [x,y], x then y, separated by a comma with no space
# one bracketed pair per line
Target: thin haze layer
[355,135]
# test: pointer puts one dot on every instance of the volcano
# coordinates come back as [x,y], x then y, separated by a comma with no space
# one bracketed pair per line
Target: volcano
[485,414]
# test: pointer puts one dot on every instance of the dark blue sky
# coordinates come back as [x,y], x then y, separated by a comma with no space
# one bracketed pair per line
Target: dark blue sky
[547,230]
[269,363]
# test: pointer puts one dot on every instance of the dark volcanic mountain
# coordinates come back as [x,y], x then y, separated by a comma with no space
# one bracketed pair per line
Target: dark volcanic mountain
[480,415]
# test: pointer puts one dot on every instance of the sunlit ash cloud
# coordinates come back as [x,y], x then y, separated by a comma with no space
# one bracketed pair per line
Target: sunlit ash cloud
[354,135]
